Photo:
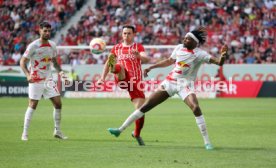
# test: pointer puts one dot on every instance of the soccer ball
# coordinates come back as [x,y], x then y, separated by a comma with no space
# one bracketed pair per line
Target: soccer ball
[97,46]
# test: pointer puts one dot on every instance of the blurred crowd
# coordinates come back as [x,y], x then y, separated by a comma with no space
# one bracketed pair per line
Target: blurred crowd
[247,26]
[20,23]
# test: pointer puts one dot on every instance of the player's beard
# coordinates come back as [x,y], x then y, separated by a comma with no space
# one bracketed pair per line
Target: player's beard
[45,38]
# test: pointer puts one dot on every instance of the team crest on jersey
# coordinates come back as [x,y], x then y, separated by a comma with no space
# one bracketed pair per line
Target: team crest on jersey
[183,64]
[46,59]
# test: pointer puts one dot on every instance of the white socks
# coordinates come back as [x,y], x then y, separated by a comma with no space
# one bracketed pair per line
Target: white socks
[57,118]
[203,130]
[28,116]
[133,117]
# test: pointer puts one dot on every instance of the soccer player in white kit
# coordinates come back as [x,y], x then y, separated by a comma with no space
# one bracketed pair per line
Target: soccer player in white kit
[187,58]
[41,53]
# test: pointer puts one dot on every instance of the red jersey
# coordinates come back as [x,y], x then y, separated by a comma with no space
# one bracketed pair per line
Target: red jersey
[131,63]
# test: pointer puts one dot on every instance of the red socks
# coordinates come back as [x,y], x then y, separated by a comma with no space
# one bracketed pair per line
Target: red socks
[138,126]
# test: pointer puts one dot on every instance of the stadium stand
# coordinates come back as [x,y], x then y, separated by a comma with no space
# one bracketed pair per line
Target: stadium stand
[247,26]
[19,23]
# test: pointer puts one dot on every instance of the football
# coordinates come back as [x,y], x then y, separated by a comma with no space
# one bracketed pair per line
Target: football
[97,46]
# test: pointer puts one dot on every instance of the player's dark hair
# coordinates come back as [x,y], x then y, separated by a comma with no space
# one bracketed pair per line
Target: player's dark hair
[130,27]
[200,34]
[45,24]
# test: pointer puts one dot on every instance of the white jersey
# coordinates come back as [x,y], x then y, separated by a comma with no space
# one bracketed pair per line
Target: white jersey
[40,56]
[187,63]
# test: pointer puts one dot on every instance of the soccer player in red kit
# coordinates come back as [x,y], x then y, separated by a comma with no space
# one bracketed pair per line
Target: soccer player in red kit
[125,61]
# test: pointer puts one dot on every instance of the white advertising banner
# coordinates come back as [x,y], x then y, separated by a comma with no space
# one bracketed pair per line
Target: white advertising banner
[244,72]
[91,73]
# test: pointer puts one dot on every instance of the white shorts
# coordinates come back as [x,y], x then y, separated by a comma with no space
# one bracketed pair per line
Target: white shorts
[173,88]
[48,90]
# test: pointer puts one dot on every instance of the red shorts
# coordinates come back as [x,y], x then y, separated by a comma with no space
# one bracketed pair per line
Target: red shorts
[134,88]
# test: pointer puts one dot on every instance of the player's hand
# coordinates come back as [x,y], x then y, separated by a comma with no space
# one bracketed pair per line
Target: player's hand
[136,53]
[30,79]
[100,82]
[146,71]
[224,50]
[64,78]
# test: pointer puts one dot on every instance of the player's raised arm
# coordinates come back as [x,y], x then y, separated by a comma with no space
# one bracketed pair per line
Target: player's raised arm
[144,58]
[105,69]
[220,61]
[141,55]
[163,63]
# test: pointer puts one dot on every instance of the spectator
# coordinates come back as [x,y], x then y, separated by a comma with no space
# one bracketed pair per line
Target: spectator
[16,57]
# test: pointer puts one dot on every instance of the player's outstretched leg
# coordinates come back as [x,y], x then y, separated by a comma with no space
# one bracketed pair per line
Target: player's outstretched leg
[114,131]
[133,116]
[155,98]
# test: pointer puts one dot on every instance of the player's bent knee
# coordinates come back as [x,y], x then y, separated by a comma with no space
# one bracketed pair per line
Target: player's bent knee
[196,110]
[58,106]
[33,104]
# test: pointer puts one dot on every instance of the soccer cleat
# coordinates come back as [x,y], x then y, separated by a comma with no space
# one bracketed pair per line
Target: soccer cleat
[114,131]
[59,135]
[138,139]
[111,62]
[24,137]
[209,147]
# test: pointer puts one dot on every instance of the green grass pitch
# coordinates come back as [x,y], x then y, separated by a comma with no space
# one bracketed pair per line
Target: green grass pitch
[241,130]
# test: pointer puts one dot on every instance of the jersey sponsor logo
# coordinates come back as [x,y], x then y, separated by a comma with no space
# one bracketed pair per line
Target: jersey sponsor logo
[46,59]
[183,64]
[126,56]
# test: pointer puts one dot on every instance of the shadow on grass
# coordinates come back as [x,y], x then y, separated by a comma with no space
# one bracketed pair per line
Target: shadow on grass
[151,144]
[233,148]
[176,147]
